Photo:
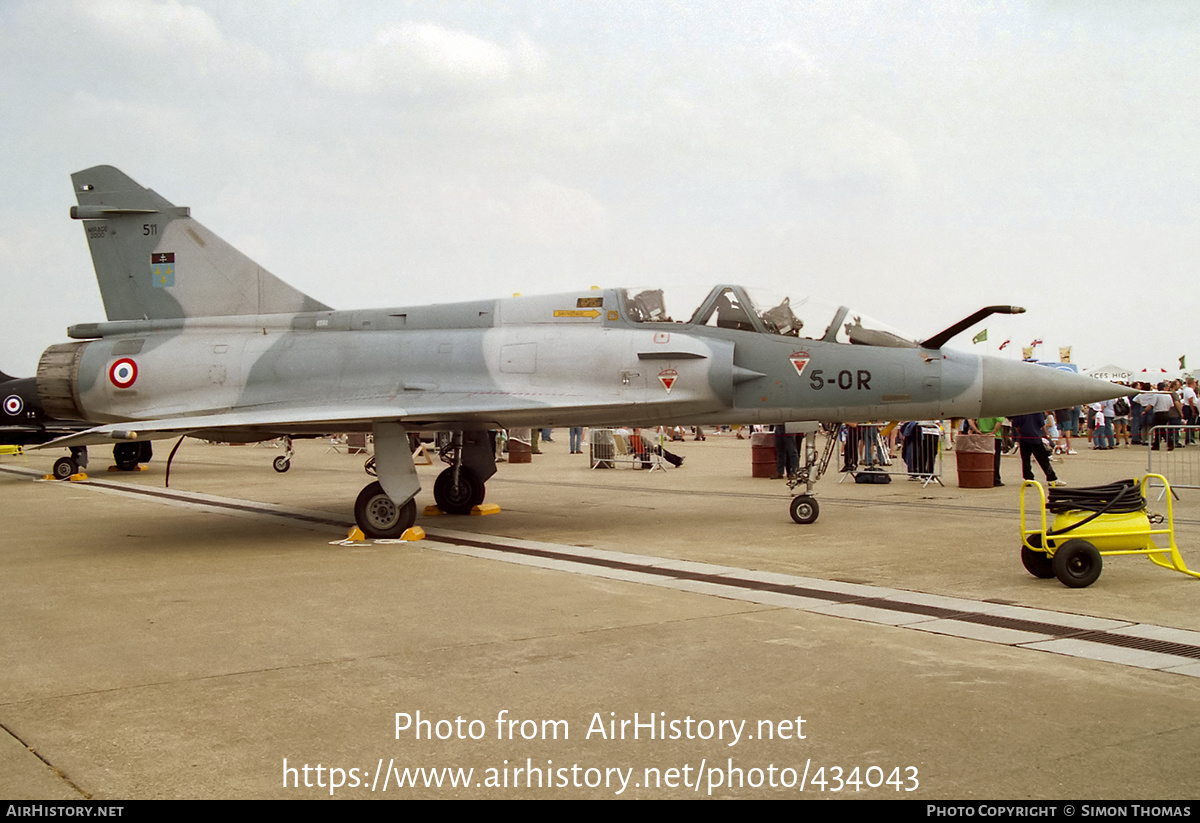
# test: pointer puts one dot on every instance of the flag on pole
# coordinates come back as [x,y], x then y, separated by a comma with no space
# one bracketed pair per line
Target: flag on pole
[982,336]
[1064,354]
[1005,343]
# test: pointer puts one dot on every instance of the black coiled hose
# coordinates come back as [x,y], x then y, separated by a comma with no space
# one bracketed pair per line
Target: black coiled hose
[1122,497]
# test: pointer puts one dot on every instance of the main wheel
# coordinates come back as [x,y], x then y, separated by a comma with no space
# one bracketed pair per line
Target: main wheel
[1077,564]
[804,509]
[379,517]
[281,464]
[64,467]
[458,499]
[126,455]
[1037,563]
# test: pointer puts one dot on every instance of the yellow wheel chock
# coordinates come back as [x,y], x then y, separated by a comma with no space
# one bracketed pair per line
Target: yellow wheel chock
[1092,523]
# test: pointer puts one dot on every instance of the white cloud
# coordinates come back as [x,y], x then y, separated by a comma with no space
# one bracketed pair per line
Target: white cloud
[861,147]
[552,214]
[539,212]
[785,58]
[422,57]
[171,39]
[156,27]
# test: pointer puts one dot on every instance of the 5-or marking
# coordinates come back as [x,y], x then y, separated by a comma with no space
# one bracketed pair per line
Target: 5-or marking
[845,379]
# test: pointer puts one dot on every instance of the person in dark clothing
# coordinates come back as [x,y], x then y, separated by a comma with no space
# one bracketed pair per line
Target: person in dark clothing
[1029,429]
[787,453]
[850,448]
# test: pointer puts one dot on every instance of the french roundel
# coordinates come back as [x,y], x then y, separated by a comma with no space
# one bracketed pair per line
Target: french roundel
[123,373]
[13,404]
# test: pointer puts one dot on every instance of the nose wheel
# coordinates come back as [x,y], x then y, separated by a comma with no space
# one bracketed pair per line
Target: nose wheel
[804,509]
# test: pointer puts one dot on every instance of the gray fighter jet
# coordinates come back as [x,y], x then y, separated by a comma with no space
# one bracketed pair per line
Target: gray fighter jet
[201,340]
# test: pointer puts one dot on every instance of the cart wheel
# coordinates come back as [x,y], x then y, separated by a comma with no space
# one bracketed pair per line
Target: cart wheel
[1077,564]
[1037,563]
[804,509]
[281,464]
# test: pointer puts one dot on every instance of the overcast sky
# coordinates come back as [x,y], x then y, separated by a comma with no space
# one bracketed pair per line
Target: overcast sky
[912,160]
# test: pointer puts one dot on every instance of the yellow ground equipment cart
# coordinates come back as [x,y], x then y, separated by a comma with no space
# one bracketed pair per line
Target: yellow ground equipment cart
[1093,522]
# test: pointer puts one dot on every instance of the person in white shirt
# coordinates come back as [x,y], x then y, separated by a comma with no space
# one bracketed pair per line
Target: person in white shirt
[1189,400]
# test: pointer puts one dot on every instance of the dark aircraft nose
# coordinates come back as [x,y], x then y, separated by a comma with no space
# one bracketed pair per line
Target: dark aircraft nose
[1012,387]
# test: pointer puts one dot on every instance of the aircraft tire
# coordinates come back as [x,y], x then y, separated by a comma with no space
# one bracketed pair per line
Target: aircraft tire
[1037,563]
[64,467]
[470,492]
[126,455]
[804,509]
[379,517]
[1077,564]
[281,464]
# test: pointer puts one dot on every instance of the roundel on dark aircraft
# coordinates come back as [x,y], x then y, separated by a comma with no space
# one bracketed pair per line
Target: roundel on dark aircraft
[13,404]
[123,373]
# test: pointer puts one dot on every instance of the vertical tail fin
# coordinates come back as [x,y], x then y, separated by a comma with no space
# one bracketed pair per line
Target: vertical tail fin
[154,262]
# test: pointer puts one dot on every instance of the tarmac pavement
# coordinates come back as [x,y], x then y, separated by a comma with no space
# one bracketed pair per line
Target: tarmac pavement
[213,640]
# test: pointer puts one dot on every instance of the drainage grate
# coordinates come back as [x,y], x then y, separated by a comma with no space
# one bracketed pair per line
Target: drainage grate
[997,621]
[1144,644]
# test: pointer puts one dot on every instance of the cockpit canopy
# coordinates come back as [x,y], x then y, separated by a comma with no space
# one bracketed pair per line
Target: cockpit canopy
[735,307]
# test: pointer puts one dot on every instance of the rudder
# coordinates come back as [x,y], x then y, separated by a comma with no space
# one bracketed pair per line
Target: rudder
[154,262]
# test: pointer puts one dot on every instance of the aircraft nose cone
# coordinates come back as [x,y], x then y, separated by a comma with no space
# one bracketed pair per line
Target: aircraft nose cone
[1011,387]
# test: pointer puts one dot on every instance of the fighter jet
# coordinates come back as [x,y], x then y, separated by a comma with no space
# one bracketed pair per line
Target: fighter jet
[202,340]
[25,423]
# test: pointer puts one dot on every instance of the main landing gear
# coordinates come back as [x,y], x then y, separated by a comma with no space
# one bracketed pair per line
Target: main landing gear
[461,487]
[64,467]
[379,517]
[457,490]
[126,457]
[284,461]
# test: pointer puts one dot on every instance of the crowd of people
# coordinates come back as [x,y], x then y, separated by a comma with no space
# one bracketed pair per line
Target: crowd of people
[1131,421]
[1143,418]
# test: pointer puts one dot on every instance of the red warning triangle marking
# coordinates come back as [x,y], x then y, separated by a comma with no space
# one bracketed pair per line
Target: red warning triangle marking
[799,360]
[667,377]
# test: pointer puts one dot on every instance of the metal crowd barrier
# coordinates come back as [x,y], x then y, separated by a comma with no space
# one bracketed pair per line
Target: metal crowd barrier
[920,459]
[607,448]
[1177,456]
